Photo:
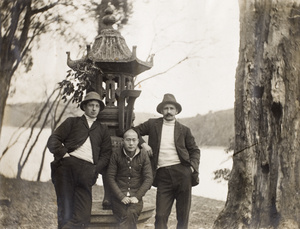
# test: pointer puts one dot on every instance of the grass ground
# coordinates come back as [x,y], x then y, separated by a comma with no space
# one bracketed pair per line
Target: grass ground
[32,205]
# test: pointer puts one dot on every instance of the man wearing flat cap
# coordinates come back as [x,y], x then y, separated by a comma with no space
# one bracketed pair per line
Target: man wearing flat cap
[175,159]
[81,147]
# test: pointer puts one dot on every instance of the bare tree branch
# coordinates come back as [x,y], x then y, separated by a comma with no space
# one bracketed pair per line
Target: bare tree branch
[161,73]
[56,121]
[45,8]
[20,164]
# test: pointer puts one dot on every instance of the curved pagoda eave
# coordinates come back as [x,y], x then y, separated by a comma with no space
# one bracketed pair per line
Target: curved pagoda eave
[111,54]
[110,50]
[133,67]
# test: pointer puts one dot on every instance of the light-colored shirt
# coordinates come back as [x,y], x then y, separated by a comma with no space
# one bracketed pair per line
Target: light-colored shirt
[167,152]
[84,152]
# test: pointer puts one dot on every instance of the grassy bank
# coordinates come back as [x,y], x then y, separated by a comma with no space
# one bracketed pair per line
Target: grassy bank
[27,204]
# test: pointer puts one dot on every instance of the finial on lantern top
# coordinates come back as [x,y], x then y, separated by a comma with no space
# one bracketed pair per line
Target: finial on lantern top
[110,52]
[109,19]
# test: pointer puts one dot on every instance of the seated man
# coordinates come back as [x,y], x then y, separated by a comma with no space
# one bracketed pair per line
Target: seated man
[130,177]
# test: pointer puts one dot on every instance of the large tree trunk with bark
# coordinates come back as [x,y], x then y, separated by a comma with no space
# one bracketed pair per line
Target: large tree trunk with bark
[263,191]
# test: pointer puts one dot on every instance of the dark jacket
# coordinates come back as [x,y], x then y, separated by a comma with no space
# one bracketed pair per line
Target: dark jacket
[73,132]
[188,151]
[133,176]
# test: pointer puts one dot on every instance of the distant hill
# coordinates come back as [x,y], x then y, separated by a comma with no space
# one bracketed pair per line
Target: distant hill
[17,114]
[212,129]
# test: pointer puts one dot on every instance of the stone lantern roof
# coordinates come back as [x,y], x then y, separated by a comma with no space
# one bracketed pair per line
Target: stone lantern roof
[110,52]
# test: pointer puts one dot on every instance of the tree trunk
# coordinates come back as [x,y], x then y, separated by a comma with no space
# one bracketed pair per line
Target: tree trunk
[263,191]
[5,79]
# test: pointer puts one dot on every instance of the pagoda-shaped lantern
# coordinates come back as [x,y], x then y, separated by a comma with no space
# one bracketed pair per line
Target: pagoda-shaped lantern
[115,68]
[111,69]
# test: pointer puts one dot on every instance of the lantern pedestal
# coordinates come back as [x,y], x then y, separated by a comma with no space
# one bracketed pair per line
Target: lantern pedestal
[105,219]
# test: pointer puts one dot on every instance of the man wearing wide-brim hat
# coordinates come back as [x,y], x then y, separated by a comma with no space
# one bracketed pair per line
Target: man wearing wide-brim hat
[175,159]
[81,147]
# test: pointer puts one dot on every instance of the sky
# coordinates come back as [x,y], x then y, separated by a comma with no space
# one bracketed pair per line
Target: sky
[205,31]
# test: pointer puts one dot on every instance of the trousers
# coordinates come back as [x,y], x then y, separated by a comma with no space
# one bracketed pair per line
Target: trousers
[127,215]
[173,183]
[73,180]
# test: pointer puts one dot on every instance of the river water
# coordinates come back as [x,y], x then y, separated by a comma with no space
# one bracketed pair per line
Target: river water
[212,158]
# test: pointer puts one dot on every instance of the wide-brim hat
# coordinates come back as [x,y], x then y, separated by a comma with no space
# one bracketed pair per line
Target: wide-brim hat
[168,99]
[92,96]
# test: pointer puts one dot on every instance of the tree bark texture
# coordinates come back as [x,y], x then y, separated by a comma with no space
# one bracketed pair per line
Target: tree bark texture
[4,89]
[263,190]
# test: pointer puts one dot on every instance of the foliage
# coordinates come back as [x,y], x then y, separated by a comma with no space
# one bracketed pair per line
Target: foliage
[22,22]
[222,174]
[76,83]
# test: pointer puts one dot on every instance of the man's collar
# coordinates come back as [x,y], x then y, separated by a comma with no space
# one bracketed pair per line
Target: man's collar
[89,119]
[169,122]
[137,151]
